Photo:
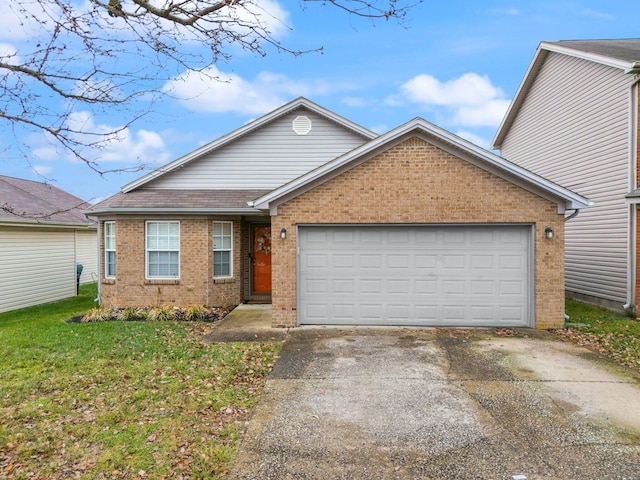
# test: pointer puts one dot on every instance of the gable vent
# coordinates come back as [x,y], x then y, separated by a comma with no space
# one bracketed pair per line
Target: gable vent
[302,125]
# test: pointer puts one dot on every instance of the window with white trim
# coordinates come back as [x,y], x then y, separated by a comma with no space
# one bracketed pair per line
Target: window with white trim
[222,249]
[110,249]
[163,249]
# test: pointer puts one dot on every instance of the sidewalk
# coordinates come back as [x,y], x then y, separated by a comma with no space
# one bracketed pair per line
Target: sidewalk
[246,323]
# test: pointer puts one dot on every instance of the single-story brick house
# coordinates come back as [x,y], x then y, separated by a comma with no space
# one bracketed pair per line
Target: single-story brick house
[334,224]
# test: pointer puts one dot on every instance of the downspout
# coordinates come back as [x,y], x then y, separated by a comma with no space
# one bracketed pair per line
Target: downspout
[566,219]
[633,184]
[573,215]
[99,263]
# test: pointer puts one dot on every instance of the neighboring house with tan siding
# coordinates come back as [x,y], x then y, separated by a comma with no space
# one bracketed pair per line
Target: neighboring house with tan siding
[43,235]
[574,120]
[334,224]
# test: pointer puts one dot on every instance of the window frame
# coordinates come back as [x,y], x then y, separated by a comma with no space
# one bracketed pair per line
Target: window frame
[221,249]
[110,234]
[147,250]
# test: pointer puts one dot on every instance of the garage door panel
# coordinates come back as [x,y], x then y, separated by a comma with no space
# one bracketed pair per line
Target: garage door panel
[413,275]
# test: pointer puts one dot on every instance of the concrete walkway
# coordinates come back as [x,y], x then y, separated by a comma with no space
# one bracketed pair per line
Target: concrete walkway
[247,323]
[411,403]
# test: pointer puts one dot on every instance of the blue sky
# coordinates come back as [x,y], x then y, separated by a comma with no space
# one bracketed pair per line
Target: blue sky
[455,63]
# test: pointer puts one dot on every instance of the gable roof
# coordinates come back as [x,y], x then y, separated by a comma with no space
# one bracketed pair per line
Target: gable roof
[565,199]
[26,201]
[623,54]
[296,104]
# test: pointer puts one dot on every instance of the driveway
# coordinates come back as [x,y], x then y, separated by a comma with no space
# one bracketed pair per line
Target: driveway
[441,404]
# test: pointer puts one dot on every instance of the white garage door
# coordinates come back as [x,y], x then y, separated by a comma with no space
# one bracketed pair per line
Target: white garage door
[415,275]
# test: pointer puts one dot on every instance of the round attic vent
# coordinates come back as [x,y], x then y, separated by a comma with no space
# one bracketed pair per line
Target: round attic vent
[302,125]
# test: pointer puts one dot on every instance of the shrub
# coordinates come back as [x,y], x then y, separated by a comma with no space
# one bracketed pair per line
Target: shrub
[161,314]
[195,313]
[133,313]
[97,315]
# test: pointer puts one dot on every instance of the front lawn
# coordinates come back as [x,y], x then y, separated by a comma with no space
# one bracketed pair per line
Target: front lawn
[121,399]
[609,333]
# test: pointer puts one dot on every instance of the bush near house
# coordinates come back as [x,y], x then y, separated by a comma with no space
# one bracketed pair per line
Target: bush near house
[121,399]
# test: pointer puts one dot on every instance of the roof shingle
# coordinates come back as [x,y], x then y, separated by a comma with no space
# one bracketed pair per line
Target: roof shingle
[166,198]
[627,50]
[34,201]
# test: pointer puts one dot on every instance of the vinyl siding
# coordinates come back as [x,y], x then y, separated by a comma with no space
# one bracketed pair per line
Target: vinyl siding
[271,156]
[87,255]
[38,266]
[573,128]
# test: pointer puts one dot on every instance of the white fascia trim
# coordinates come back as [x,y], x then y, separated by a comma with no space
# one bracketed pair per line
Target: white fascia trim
[245,129]
[627,67]
[571,200]
[518,98]
[46,223]
[180,211]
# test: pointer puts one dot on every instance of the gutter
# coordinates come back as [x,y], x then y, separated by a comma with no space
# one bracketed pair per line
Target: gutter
[44,223]
[174,210]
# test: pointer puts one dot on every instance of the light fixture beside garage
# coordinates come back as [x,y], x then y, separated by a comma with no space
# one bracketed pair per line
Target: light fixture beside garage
[283,233]
[548,232]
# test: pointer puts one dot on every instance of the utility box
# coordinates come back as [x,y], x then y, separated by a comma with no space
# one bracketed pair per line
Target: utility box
[79,268]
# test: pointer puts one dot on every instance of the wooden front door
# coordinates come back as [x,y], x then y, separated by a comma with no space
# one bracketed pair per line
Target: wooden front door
[261,259]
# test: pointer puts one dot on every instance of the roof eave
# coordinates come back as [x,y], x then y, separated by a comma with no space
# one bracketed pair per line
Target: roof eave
[624,65]
[45,223]
[173,211]
[518,98]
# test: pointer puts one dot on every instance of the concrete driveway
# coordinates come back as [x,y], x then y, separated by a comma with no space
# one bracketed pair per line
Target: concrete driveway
[378,403]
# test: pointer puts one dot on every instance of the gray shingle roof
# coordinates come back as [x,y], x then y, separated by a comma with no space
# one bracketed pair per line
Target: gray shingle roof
[164,198]
[29,201]
[627,50]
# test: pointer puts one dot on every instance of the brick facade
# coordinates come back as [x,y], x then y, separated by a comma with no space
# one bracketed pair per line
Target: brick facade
[416,182]
[196,285]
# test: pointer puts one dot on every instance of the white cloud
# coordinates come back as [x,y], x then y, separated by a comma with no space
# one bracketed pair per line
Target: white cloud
[42,170]
[219,92]
[470,100]
[9,53]
[22,20]
[125,146]
[475,139]
[597,14]
[512,11]
[489,114]
[270,14]
[46,152]
[380,129]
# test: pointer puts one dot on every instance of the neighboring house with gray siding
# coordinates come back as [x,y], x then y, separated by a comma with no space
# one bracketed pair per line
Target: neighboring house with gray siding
[43,235]
[334,224]
[574,120]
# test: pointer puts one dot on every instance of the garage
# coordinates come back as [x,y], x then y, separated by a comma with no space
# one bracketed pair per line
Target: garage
[445,275]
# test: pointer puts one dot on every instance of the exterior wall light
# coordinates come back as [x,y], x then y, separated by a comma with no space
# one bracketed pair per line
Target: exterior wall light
[548,232]
[283,233]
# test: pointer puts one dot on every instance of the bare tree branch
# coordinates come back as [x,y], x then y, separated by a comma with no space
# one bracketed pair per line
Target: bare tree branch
[112,57]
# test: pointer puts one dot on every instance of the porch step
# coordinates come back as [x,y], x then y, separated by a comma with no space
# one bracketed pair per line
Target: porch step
[259,299]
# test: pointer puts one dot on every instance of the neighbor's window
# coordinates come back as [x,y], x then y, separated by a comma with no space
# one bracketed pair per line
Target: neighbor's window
[222,249]
[163,249]
[110,249]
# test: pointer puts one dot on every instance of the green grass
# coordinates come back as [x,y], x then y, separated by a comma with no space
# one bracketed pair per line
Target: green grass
[121,399]
[609,333]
